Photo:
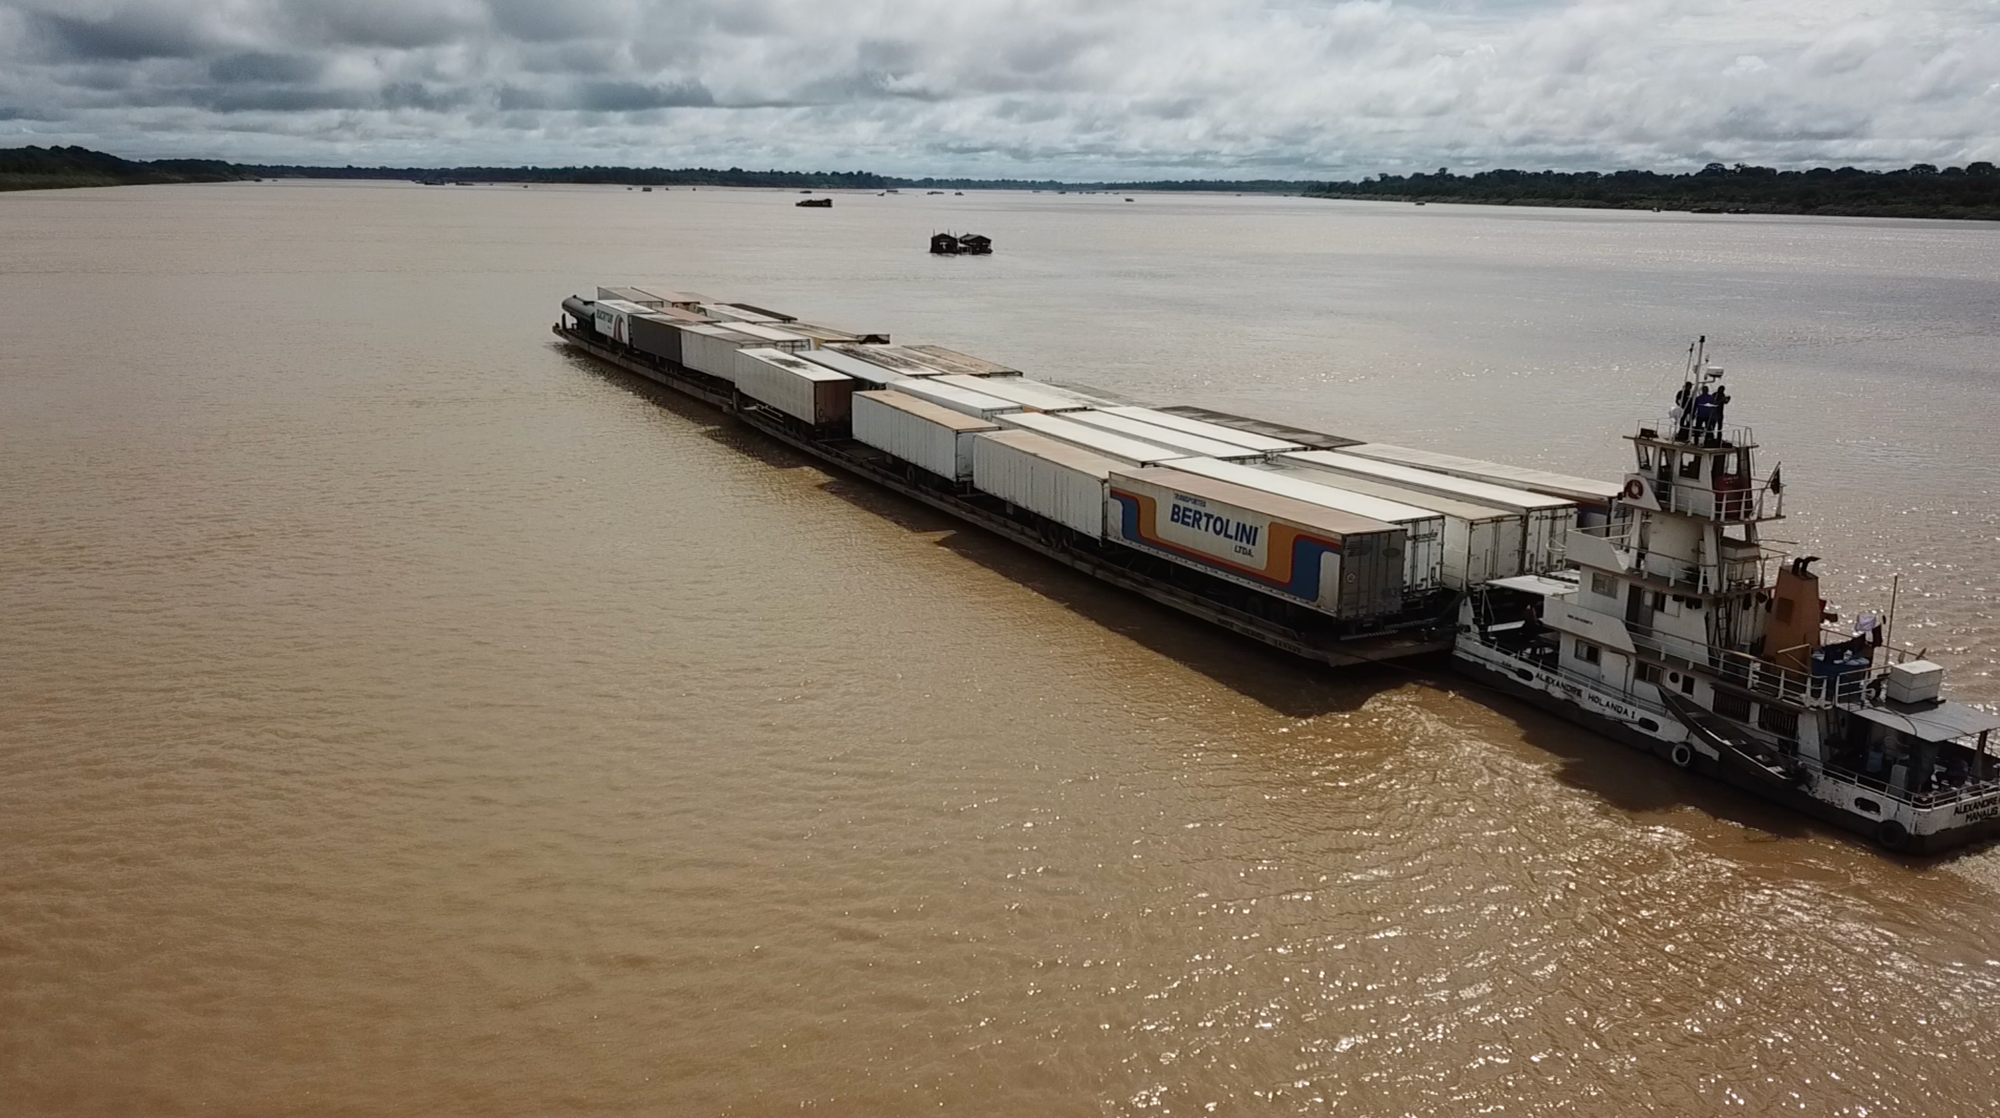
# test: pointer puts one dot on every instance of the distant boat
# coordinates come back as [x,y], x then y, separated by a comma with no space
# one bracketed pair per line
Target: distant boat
[956,244]
[816,203]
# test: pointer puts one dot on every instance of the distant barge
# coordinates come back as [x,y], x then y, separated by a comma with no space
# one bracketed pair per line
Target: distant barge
[1643,609]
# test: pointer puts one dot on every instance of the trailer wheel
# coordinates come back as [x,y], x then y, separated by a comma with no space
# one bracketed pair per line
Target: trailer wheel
[1892,835]
[1681,755]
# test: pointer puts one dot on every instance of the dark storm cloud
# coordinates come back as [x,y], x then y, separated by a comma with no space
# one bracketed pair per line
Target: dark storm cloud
[1086,87]
[257,66]
[628,97]
[124,35]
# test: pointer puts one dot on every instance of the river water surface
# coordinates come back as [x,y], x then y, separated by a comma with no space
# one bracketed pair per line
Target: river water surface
[399,715]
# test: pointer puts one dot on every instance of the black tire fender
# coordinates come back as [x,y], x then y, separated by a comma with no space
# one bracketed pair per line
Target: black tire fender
[1682,755]
[1892,835]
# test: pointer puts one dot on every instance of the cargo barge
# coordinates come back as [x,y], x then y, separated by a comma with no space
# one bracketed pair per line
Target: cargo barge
[1643,609]
[931,424]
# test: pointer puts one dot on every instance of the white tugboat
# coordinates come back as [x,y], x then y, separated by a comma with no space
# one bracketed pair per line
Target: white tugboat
[1672,635]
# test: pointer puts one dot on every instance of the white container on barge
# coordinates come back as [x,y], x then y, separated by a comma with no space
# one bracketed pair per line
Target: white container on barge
[1056,480]
[1248,440]
[807,392]
[730,312]
[1480,542]
[919,432]
[895,358]
[1586,492]
[712,349]
[773,336]
[1194,445]
[1031,394]
[634,295]
[612,317]
[867,372]
[952,361]
[1109,444]
[958,399]
[1333,562]
[1546,520]
[1424,531]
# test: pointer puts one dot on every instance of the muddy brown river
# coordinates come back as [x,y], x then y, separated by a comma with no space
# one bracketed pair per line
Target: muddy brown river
[400,715]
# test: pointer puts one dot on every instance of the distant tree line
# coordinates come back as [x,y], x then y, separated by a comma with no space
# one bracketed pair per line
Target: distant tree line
[1921,190]
[31,168]
[28,167]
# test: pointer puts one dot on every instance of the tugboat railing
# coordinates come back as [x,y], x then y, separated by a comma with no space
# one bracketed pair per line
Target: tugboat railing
[1745,569]
[1681,429]
[1744,504]
[1847,689]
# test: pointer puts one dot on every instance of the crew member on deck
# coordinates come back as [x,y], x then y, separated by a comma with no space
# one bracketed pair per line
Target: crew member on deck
[1721,401]
[1704,412]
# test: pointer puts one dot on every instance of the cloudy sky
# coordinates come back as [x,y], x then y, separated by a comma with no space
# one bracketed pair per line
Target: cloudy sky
[1058,88]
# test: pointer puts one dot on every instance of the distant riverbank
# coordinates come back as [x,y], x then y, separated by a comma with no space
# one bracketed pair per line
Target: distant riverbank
[33,168]
[1971,192]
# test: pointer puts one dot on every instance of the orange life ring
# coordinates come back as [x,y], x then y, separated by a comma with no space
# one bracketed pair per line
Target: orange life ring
[1634,489]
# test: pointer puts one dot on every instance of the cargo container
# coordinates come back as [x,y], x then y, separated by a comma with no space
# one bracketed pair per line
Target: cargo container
[775,316]
[1031,394]
[823,335]
[1339,564]
[658,335]
[1193,445]
[1312,440]
[1480,542]
[1546,520]
[612,317]
[867,372]
[957,399]
[894,357]
[679,314]
[633,295]
[919,432]
[731,313]
[773,336]
[1110,444]
[1248,440]
[1052,479]
[684,300]
[712,349]
[809,393]
[1587,492]
[952,361]
[1423,529]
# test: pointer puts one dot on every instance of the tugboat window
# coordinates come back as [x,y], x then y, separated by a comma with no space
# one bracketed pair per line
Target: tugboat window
[1649,673]
[1603,585]
[1588,653]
